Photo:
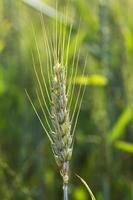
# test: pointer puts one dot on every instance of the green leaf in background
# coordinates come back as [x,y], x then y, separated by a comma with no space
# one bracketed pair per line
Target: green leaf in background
[97,80]
[120,125]
[87,187]
[124,146]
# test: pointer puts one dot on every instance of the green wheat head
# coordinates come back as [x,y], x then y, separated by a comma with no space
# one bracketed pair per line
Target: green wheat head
[60,117]
[56,89]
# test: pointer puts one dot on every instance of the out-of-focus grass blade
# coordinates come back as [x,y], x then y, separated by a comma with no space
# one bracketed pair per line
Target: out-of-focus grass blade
[87,187]
[97,80]
[120,125]
[124,146]
[47,10]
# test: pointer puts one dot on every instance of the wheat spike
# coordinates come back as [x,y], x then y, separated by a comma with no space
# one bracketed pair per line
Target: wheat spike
[59,117]
[62,139]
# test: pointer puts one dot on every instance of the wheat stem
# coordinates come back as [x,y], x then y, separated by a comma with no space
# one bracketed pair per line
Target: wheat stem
[65,191]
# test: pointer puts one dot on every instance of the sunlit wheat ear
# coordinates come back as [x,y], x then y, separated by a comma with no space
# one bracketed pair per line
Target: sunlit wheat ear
[56,95]
[62,146]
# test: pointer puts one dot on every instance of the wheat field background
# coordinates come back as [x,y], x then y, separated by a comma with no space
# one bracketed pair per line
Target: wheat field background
[102,32]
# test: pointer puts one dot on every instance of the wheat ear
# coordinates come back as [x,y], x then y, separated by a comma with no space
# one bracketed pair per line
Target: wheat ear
[61,120]
[62,139]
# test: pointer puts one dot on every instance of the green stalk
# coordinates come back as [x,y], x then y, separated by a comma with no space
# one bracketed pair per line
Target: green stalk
[65,191]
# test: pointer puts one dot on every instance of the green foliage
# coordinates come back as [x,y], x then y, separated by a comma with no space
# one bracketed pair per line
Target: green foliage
[124,146]
[120,125]
[96,80]
[87,187]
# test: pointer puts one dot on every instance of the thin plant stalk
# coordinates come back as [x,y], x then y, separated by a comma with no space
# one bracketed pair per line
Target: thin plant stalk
[65,191]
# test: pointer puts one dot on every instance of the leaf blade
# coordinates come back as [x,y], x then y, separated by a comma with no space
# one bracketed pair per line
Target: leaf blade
[87,187]
[120,125]
[95,79]
[124,146]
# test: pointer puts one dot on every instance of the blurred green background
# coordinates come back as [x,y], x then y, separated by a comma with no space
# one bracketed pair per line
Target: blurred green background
[103,151]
